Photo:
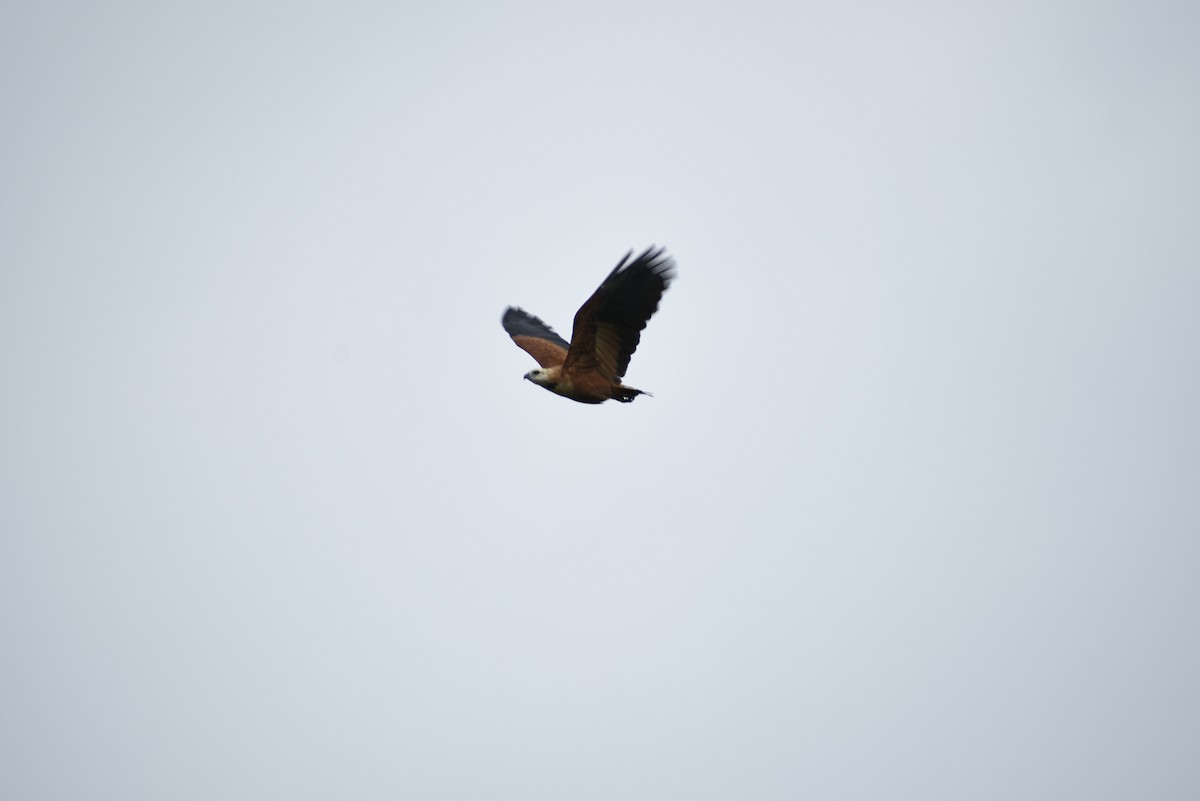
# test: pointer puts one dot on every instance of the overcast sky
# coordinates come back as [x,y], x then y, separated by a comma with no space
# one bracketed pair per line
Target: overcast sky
[914,511]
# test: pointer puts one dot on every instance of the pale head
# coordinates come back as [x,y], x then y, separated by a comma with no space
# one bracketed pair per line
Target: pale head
[543,376]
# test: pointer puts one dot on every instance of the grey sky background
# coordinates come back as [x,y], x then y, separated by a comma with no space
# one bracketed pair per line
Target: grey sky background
[912,514]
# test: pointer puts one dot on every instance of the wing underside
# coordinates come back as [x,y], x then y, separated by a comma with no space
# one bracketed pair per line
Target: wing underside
[608,327]
[534,337]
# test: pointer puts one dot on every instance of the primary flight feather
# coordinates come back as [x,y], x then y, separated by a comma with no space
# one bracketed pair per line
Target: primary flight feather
[608,328]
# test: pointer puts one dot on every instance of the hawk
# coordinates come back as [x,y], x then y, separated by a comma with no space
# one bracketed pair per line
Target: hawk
[607,330]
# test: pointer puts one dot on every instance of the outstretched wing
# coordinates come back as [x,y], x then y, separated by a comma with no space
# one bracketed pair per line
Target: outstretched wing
[535,337]
[609,326]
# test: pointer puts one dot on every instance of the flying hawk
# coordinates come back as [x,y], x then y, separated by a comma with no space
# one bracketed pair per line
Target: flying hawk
[607,331]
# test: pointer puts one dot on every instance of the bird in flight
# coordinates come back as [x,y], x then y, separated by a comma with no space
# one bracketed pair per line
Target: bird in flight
[607,330]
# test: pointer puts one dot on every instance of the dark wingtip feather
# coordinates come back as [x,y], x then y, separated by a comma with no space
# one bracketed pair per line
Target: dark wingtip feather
[654,260]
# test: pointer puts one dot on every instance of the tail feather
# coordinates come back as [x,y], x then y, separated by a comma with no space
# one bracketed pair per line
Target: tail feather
[624,394]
